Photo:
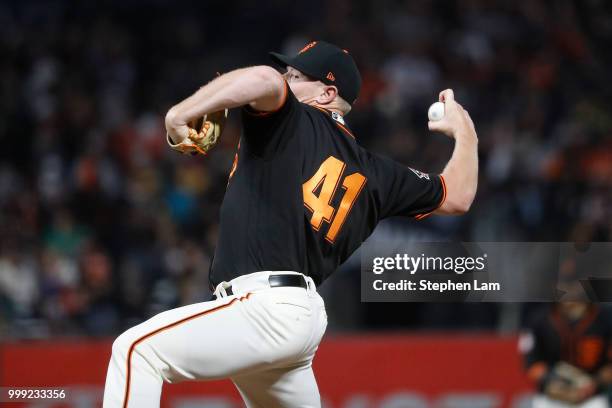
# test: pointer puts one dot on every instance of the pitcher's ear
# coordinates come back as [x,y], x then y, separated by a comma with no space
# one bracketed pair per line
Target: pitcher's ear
[328,95]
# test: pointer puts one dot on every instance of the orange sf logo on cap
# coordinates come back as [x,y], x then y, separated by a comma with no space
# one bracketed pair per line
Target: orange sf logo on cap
[307,47]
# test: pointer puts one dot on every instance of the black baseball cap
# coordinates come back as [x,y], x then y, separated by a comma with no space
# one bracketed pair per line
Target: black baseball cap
[327,63]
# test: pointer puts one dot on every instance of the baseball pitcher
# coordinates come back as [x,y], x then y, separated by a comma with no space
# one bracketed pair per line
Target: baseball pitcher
[302,196]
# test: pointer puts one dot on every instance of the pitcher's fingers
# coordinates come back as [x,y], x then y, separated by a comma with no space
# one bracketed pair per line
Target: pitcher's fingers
[447,95]
[436,126]
[450,105]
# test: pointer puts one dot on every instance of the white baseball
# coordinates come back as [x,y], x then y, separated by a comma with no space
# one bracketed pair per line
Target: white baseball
[436,111]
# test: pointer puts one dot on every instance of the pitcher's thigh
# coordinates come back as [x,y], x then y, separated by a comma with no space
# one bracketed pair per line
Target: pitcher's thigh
[294,387]
[197,342]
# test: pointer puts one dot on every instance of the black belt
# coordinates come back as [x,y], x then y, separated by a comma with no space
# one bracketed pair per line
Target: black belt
[277,281]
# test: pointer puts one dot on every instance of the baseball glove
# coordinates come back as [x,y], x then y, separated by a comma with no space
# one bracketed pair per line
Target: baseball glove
[203,134]
[569,384]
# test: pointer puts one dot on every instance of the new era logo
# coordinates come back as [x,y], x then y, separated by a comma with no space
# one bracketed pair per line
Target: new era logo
[330,76]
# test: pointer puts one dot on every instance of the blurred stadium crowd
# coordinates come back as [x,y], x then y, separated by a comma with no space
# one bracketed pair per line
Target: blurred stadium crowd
[101,225]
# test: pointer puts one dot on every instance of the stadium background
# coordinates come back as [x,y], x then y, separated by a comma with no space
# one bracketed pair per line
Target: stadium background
[101,225]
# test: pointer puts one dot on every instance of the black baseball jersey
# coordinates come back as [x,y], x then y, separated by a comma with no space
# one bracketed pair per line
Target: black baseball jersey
[303,195]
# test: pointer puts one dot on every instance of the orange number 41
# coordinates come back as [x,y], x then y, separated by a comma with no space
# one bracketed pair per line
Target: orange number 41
[327,178]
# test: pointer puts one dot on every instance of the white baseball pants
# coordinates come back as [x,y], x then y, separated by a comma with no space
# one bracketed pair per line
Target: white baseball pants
[263,338]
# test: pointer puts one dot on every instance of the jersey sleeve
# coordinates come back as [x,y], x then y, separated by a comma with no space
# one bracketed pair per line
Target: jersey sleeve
[267,132]
[405,191]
